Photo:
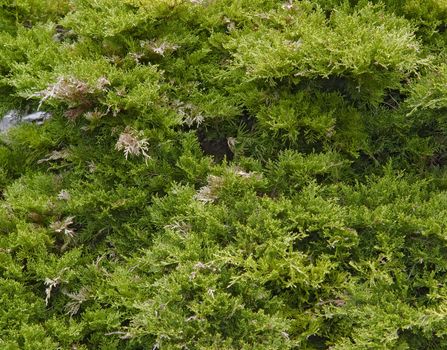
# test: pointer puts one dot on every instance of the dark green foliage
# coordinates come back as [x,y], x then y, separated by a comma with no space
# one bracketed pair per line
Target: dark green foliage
[220,174]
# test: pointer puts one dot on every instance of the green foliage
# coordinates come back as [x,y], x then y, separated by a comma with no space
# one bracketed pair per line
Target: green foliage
[224,174]
[370,49]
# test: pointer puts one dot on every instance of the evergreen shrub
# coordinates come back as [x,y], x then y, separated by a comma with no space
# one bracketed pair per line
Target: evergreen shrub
[221,174]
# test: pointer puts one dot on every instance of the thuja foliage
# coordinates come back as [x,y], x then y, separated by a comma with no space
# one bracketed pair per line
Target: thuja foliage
[220,174]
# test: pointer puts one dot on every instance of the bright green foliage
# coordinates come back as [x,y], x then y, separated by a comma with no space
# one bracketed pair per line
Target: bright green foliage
[372,51]
[220,174]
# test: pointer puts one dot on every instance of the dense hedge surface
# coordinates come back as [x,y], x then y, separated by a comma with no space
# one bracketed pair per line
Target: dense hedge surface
[222,174]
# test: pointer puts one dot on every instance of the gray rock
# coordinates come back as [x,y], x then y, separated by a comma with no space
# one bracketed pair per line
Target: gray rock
[13,118]
[9,120]
[36,117]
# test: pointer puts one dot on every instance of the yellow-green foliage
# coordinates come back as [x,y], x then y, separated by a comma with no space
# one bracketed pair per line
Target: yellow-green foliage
[220,174]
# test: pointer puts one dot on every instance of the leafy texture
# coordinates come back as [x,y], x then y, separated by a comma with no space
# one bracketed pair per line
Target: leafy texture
[219,174]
